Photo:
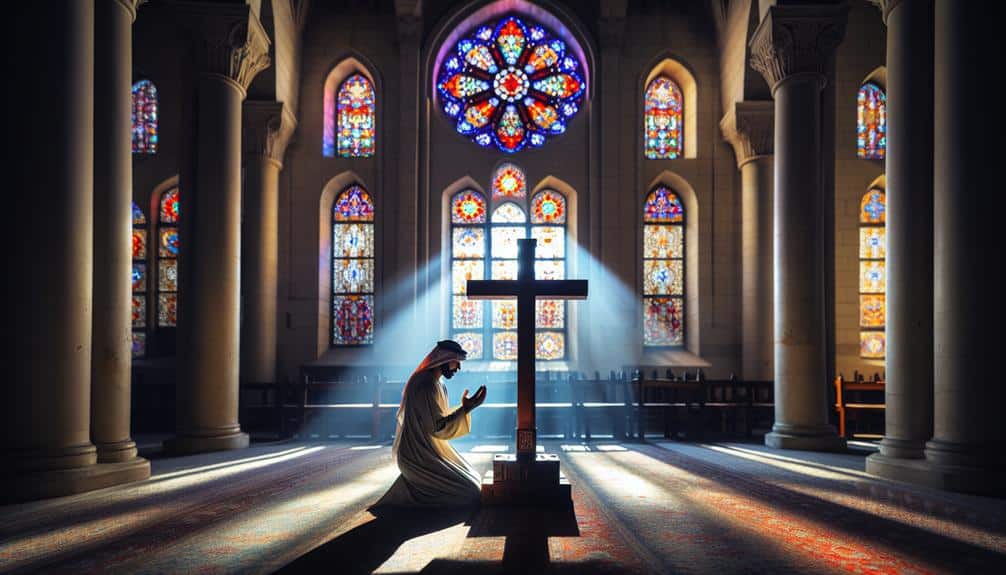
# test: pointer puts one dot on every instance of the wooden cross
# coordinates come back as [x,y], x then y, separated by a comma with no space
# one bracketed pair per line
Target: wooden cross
[525,289]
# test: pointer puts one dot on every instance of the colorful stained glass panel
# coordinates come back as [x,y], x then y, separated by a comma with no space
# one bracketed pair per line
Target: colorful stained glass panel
[468,208]
[167,312]
[872,310]
[505,345]
[663,277]
[356,117]
[509,213]
[663,321]
[139,344]
[352,319]
[167,275]
[504,314]
[139,310]
[662,241]
[169,208]
[550,313]
[353,205]
[139,244]
[871,125]
[504,269]
[873,208]
[663,207]
[353,240]
[464,270]
[504,240]
[139,277]
[469,242]
[352,275]
[138,217]
[872,276]
[663,123]
[548,207]
[144,117]
[470,342]
[549,345]
[872,243]
[509,182]
[872,344]
[168,245]
[551,241]
[467,313]
[549,270]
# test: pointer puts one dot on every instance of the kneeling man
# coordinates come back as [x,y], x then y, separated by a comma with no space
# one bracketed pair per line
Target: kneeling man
[433,473]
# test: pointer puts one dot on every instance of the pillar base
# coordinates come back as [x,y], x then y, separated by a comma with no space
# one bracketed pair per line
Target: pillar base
[117,452]
[909,470]
[967,468]
[817,438]
[902,448]
[186,444]
[60,482]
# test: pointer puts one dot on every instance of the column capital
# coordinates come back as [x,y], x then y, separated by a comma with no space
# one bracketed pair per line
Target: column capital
[797,41]
[885,7]
[750,128]
[228,38]
[611,24]
[409,19]
[266,128]
[131,6]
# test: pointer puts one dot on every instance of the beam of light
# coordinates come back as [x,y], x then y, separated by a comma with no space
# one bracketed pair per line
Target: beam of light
[571,448]
[609,447]
[69,538]
[607,322]
[489,449]
[365,447]
[810,468]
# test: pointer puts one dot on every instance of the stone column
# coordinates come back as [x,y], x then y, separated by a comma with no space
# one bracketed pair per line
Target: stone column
[909,387]
[791,48]
[113,186]
[749,129]
[231,47]
[966,451]
[267,130]
[408,236]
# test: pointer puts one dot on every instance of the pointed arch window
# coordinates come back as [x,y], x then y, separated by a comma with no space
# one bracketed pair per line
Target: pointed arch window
[486,248]
[351,133]
[353,268]
[138,277]
[168,247]
[872,274]
[144,117]
[663,120]
[663,269]
[871,125]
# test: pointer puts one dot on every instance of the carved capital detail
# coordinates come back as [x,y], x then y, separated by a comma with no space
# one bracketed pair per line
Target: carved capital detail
[266,128]
[229,40]
[885,7]
[797,41]
[750,129]
[131,6]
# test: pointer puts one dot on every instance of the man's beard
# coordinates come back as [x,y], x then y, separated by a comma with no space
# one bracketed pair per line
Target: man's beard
[447,371]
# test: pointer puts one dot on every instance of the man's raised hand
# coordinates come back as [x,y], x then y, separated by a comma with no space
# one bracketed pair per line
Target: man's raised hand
[470,403]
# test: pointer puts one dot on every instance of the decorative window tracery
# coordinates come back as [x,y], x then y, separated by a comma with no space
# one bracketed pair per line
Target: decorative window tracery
[353,268]
[663,269]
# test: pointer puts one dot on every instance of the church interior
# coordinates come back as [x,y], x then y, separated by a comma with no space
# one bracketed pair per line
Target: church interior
[741,345]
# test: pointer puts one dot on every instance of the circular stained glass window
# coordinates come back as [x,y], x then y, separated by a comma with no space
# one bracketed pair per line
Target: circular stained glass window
[512,84]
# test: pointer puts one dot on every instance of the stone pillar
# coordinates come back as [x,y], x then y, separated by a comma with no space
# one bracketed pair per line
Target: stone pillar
[267,130]
[909,387]
[749,129]
[966,451]
[791,49]
[113,186]
[407,235]
[231,47]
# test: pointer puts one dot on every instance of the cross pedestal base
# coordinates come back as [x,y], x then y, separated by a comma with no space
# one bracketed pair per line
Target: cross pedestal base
[514,481]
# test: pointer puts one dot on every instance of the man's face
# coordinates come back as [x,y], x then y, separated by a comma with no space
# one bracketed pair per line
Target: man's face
[450,368]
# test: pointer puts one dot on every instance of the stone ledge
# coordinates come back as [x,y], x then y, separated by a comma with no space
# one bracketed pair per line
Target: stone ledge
[60,482]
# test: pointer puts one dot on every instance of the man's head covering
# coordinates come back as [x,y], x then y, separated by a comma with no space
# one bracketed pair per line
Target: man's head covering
[445,351]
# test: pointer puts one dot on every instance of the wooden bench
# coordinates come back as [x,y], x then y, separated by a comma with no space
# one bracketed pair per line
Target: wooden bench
[353,406]
[855,395]
[601,405]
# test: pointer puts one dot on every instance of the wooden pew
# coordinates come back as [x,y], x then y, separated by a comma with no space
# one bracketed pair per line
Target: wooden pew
[599,403]
[338,406]
[660,399]
[857,394]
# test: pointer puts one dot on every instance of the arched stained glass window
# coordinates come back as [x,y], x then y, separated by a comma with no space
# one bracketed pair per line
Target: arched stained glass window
[354,133]
[139,281]
[144,117]
[663,121]
[486,248]
[663,269]
[872,274]
[353,268]
[509,182]
[511,84]
[168,247]
[871,127]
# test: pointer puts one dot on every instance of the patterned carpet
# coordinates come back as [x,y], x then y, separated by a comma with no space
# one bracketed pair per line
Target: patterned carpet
[638,508]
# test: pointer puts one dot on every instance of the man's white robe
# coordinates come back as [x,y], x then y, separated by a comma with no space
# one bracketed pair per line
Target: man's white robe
[433,473]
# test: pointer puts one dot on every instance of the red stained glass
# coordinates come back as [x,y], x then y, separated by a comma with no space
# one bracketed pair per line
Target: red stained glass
[353,205]
[663,321]
[509,182]
[169,210]
[356,132]
[468,208]
[663,119]
[548,207]
[871,126]
[352,319]
[139,244]
[663,206]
